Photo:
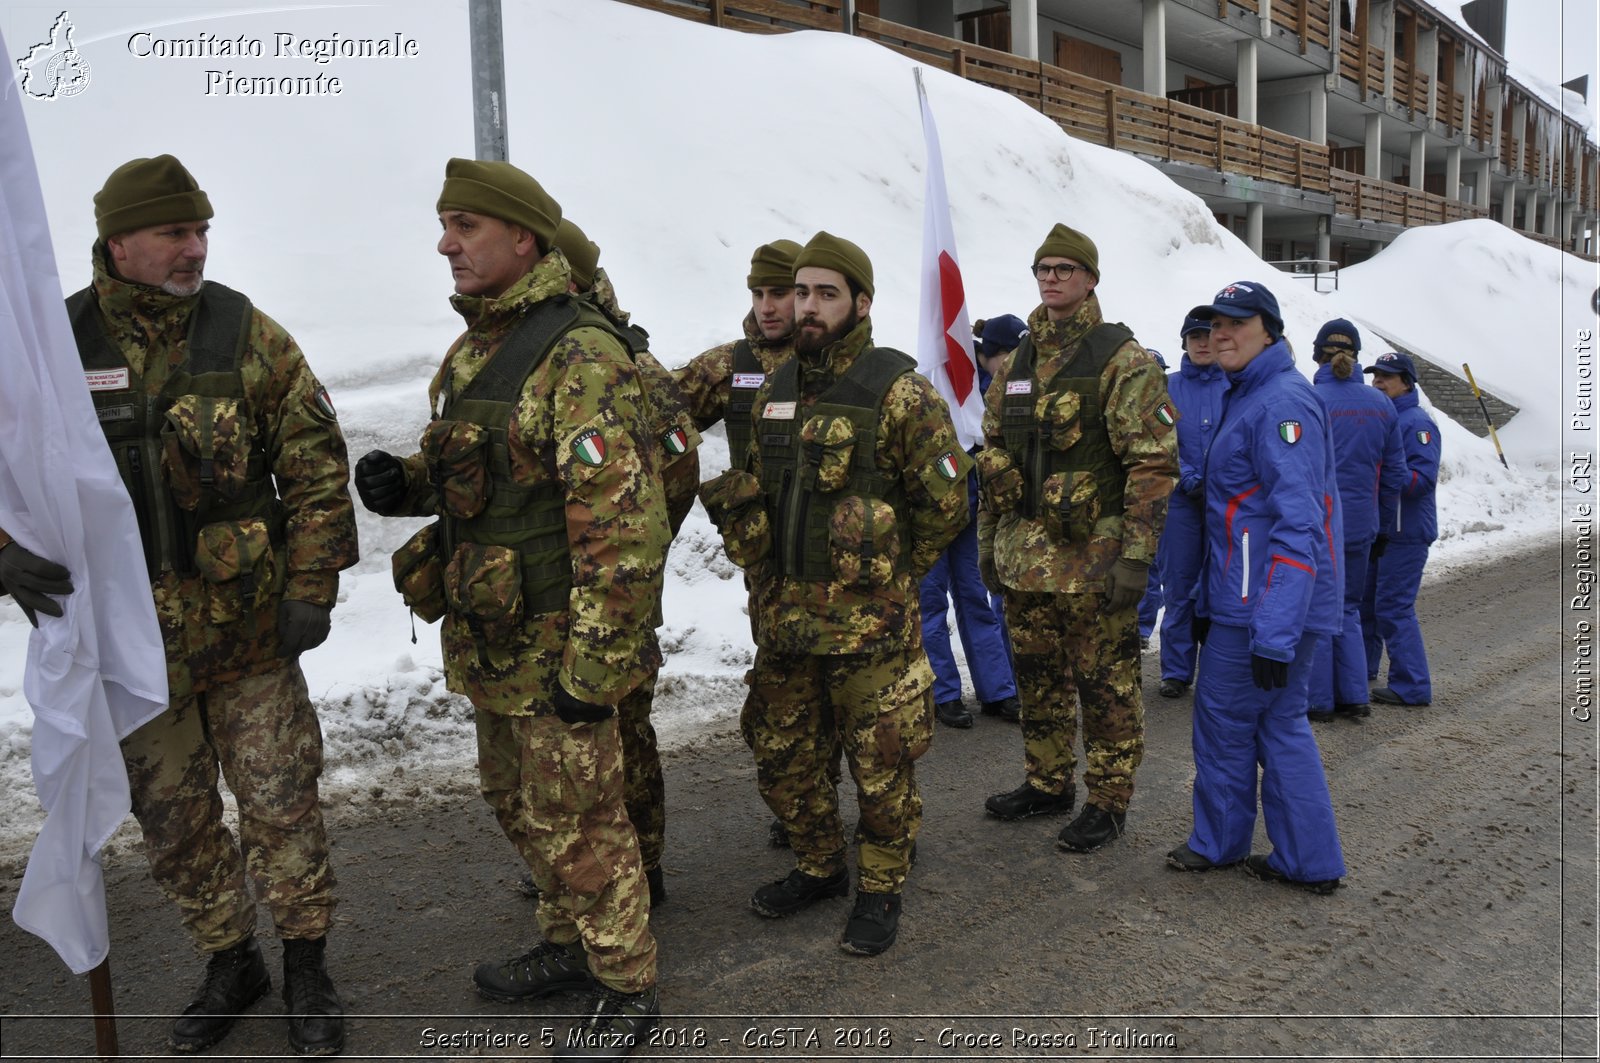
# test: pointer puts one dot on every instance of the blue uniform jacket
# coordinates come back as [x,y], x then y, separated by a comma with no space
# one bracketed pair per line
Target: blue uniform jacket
[1274,528]
[1418,521]
[1197,393]
[1366,450]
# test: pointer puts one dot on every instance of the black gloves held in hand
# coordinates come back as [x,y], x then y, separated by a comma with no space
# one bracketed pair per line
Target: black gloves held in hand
[1379,545]
[30,579]
[1269,674]
[1126,583]
[381,482]
[573,711]
[302,626]
[1199,628]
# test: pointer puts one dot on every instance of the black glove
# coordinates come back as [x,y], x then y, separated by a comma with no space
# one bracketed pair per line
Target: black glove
[1379,545]
[30,579]
[1198,491]
[301,627]
[1126,583]
[381,482]
[1199,628]
[1267,673]
[573,711]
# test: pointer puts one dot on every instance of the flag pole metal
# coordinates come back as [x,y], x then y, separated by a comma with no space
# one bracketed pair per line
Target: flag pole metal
[488,80]
[105,1012]
[1477,394]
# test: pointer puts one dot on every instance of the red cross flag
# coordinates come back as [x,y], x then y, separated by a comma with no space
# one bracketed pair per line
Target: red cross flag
[944,335]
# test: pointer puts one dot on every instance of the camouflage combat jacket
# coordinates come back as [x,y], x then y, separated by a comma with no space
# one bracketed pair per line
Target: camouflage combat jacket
[581,421]
[1037,554]
[707,381]
[916,447]
[219,624]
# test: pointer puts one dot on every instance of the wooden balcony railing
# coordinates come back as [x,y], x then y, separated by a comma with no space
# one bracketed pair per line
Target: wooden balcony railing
[1384,201]
[1306,19]
[1410,86]
[1252,6]
[1223,99]
[1451,111]
[1369,77]
[755,16]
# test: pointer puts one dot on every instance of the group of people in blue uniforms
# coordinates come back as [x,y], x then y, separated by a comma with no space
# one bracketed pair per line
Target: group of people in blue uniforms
[1293,551]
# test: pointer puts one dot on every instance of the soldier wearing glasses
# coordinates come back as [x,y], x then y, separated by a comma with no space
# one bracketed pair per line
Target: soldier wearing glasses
[1080,456]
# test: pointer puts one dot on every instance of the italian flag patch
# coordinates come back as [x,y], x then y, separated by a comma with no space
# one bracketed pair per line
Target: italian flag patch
[1424,436]
[590,448]
[675,441]
[947,465]
[1289,431]
[1164,415]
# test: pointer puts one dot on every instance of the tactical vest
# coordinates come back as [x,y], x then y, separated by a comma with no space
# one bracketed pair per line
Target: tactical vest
[799,512]
[1092,453]
[132,421]
[748,376]
[532,520]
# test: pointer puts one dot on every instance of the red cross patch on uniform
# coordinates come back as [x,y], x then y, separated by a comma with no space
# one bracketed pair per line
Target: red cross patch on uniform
[1289,431]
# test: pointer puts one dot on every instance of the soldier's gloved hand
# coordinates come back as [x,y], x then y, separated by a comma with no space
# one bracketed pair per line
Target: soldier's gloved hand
[1197,489]
[1126,584]
[1199,628]
[1267,673]
[1379,545]
[573,711]
[31,580]
[301,627]
[381,482]
[988,573]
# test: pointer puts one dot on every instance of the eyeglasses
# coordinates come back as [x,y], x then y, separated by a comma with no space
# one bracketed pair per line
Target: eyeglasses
[1060,270]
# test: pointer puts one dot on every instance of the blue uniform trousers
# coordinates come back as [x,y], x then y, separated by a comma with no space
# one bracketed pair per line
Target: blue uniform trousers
[983,640]
[1339,666]
[1150,604]
[1238,728]
[1180,554]
[1390,608]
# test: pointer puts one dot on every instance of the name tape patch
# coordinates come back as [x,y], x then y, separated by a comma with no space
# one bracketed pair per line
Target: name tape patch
[779,411]
[749,380]
[1019,387]
[107,379]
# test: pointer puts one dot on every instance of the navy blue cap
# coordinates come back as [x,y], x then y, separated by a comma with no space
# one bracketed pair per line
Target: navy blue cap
[1197,320]
[1243,299]
[1002,334]
[1157,355]
[1338,334]
[1394,362]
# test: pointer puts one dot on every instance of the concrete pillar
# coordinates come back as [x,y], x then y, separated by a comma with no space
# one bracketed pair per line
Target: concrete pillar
[1245,78]
[1318,132]
[1452,172]
[1530,211]
[1419,157]
[1374,145]
[1426,61]
[1155,47]
[1494,99]
[1508,207]
[1324,247]
[1254,215]
[1025,28]
[1481,185]
[1519,142]
[1380,31]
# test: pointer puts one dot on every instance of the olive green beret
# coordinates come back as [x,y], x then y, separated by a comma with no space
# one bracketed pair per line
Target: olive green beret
[1070,243]
[148,192]
[830,252]
[772,266]
[502,191]
[582,253]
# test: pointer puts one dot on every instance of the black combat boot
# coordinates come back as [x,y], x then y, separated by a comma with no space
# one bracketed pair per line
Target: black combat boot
[1026,801]
[617,1024]
[546,968]
[316,1016]
[657,880]
[799,890]
[235,978]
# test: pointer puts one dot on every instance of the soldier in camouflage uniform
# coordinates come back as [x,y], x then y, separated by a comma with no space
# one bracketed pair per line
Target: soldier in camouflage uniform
[853,485]
[546,565]
[205,402]
[1080,456]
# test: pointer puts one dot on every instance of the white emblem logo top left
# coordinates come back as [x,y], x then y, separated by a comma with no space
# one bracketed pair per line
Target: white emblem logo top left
[54,69]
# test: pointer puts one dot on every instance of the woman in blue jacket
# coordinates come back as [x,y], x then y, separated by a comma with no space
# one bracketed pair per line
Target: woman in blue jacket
[1269,589]
[1396,578]
[1366,446]
[1197,389]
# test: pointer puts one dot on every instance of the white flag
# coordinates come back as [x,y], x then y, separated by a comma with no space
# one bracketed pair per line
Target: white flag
[98,672]
[944,335]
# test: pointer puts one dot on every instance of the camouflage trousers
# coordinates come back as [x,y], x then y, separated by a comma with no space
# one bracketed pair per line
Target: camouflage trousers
[263,734]
[879,708]
[570,823]
[1069,653]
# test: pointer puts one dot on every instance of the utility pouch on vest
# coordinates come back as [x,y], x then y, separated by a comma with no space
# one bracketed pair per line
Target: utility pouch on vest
[419,574]
[863,541]
[734,501]
[236,563]
[1070,506]
[483,586]
[205,447]
[999,481]
[457,455]
[830,444]
[1059,421]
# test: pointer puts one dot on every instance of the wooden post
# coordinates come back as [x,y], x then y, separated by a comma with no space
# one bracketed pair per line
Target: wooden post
[958,62]
[1304,24]
[105,1012]
[1221,147]
[716,12]
[1111,118]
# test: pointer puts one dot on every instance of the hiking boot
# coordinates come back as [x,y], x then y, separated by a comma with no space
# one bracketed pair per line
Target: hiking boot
[1259,866]
[658,886]
[1173,688]
[953,714]
[1353,711]
[800,890]
[777,834]
[546,968]
[1319,715]
[1092,829]
[873,924]
[617,1023]
[235,978]
[1144,642]
[1389,697]
[1008,709]
[527,887]
[1184,858]
[1026,801]
[316,1015]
